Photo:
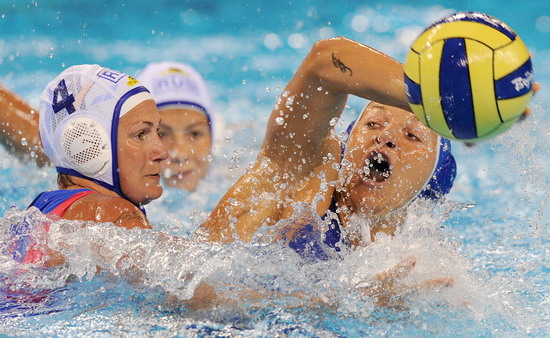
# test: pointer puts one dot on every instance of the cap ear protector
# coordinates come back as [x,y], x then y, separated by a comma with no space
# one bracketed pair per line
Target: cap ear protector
[85,144]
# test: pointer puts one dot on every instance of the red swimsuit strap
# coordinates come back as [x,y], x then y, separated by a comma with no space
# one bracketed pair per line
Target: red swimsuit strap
[61,208]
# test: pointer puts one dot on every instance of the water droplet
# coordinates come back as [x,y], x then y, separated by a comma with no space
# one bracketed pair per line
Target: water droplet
[280,121]
[24,142]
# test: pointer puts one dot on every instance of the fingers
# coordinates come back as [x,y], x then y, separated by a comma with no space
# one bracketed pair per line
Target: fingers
[387,285]
[536,87]
[525,114]
[434,283]
[403,268]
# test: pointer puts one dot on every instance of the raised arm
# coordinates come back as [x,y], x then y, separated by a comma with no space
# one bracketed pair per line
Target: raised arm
[19,122]
[317,93]
[299,153]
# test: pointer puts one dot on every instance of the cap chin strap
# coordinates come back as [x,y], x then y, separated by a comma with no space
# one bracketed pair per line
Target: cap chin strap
[114,134]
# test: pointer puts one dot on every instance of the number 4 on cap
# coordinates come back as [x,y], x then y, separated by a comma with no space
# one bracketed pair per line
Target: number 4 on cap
[65,102]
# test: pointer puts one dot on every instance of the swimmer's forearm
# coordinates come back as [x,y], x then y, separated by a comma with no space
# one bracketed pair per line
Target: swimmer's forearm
[317,93]
[19,127]
[347,66]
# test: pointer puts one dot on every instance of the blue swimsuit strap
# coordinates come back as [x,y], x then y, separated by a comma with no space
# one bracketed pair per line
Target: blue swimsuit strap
[49,200]
[333,234]
[307,241]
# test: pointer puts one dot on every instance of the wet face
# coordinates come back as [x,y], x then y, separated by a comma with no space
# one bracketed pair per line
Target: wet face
[140,153]
[389,157]
[186,135]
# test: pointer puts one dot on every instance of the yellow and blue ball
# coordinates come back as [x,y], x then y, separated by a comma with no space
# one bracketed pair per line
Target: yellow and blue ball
[468,76]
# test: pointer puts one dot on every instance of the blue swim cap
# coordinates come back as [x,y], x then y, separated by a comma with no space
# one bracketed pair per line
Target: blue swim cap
[444,172]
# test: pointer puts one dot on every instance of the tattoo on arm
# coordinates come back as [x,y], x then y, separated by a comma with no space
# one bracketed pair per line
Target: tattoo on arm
[129,216]
[339,64]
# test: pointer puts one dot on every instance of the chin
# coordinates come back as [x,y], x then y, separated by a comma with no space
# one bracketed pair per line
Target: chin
[374,204]
[151,195]
[170,183]
[189,185]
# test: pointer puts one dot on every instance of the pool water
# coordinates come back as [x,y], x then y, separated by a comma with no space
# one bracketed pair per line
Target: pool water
[491,236]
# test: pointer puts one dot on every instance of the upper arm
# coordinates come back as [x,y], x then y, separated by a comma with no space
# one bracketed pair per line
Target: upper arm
[100,208]
[19,126]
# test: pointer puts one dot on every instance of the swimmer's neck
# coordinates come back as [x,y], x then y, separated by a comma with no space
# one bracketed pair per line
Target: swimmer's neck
[82,183]
[384,223]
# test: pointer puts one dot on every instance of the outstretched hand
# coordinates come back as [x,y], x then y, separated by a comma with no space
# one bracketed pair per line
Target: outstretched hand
[527,112]
[388,287]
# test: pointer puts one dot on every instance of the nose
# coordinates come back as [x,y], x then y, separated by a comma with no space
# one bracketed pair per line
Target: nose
[386,139]
[181,150]
[159,152]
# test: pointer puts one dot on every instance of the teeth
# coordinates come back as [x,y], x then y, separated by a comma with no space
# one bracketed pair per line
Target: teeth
[377,167]
[366,168]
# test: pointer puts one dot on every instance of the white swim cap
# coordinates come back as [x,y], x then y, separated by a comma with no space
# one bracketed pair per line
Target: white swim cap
[174,84]
[79,115]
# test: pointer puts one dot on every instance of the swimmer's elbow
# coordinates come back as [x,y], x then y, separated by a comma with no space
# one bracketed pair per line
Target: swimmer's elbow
[321,51]
[327,46]
[320,59]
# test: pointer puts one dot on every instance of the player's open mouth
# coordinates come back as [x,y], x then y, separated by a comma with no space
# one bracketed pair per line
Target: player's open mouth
[377,168]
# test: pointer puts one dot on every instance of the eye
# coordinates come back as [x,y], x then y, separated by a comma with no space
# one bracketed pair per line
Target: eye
[161,133]
[411,136]
[196,134]
[140,135]
[372,124]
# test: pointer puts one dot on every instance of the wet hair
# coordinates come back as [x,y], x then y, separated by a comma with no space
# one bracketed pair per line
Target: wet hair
[64,180]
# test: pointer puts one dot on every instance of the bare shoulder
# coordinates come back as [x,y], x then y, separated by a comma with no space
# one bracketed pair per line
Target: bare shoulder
[102,208]
[268,191]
